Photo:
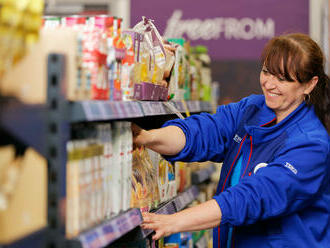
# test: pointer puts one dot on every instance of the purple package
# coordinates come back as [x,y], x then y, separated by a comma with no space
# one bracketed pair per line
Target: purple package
[155,93]
[163,94]
[143,91]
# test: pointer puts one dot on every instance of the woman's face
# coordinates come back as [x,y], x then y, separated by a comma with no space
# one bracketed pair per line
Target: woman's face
[281,95]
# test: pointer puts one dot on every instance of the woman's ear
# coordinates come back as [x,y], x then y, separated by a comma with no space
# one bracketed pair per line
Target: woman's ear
[311,85]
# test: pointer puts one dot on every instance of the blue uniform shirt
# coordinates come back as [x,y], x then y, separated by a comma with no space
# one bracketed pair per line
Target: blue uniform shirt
[283,197]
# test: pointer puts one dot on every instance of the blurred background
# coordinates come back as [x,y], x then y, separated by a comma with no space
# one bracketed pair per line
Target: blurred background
[233,31]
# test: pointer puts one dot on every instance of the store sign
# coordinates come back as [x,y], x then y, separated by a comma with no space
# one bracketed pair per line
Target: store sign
[230,29]
[216,28]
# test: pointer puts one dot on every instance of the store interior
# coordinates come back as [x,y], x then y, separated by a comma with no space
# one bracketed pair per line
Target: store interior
[75,75]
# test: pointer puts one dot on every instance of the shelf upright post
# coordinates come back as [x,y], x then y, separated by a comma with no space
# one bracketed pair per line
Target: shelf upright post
[57,134]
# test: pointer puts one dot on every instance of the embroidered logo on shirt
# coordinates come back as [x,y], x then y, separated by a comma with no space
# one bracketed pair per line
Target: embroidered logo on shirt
[258,166]
[237,138]
[290,166]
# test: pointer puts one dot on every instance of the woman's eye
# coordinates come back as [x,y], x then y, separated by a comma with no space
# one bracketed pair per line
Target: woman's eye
[281,79]
[265,71]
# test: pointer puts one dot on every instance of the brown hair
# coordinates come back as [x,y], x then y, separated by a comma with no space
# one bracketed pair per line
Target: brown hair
[297,57]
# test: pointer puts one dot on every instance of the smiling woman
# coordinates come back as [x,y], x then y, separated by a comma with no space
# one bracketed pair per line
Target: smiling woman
[275,148]
[293,70]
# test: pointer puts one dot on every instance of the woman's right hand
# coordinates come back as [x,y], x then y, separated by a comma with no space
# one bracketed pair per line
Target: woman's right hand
[140,136]
[169,140]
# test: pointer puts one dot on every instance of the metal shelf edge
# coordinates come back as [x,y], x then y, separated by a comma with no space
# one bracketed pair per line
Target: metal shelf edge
[111,230]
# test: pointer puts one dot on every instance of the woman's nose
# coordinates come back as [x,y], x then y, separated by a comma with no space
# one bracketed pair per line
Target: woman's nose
[270,82]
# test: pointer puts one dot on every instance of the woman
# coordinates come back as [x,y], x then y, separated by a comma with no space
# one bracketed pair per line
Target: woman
[274,189]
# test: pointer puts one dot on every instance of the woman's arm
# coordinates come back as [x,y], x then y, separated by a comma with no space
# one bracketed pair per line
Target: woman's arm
[204,216]
[169,140]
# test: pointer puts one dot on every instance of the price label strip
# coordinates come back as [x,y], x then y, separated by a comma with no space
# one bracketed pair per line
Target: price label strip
[179,204]
[102,108]
[120,110]
[92,111]
[196,106]
[180,106]
[137,109]
[91,239]
[157,108]
[147,109]
[130,109]
[110,233]
[108,111]
[112,230]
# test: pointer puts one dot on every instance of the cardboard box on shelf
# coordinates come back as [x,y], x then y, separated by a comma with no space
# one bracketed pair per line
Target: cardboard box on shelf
[27,80]
[27,203]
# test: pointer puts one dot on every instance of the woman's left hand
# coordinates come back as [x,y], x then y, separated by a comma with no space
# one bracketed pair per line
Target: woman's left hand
[162,224]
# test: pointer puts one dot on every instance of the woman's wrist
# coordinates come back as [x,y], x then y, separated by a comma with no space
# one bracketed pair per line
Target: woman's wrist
[148,137]
[178,226]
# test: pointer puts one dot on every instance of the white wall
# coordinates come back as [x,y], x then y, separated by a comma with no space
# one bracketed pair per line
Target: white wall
[119,8]
[122,8]
[315,19]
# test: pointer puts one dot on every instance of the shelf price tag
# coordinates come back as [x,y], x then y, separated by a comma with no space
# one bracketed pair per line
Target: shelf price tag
[179,204]
[127,109]
[188,103]
[205,106]
[197,106]
[110,232]
[114,110]
[120,109]
[91,240]
[180,107]
[102,109]
[132,109]
[182,200]
[134,217]
[169,208]
[137,109]
[157,108]
[124,224]
[208,107]
[202,106]
[192,106]
[91,110]
[108,111]
[161,211]
[147,109]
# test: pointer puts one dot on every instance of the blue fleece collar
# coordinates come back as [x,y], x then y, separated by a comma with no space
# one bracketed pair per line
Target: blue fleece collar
[262,134]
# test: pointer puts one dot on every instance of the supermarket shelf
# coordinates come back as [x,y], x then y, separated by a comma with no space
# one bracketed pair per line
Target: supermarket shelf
[111,230]
[104,110]
[13,114]
[178,203]
[193,106]
[27,122]
[200,176]
[107,110]
[186,197]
